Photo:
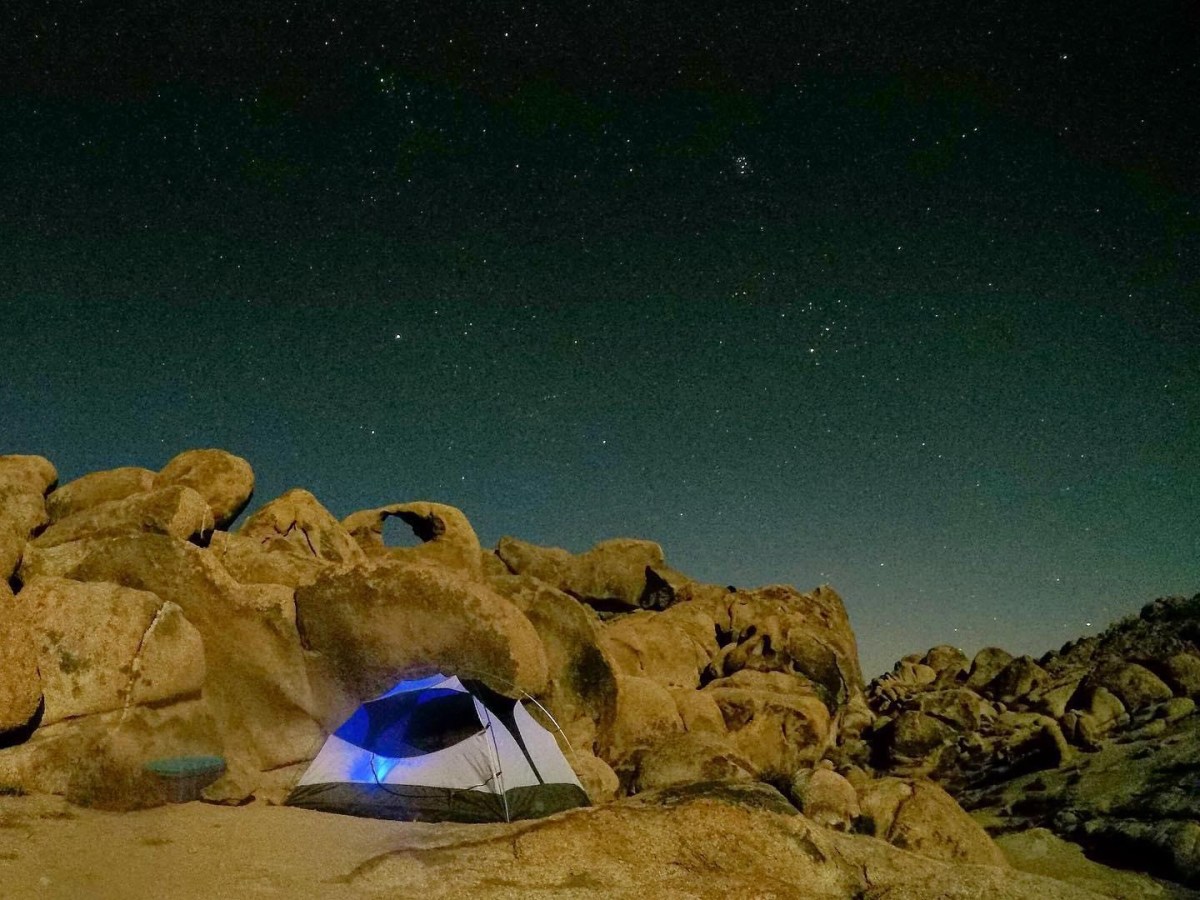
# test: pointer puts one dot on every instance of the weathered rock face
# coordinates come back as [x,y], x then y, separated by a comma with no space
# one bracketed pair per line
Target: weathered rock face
[611,575]
[373,625]
[225,481]
[97,760]
[770,676]
[1134,685]
[646,713]
[1181,672]
[1017,679]
[447,537]
[912,735]
[986,665]
[20,475]
[780,629]
[581,690]
[947,662]
[96,488]
[20,683]
[24,481]
[826,797]
[175,511]
[138,642]
[921,817]
[246,560]
[103,647]
[257,684]
[297,524]
[688,757]
[673,648]
[12,545]
[778,722]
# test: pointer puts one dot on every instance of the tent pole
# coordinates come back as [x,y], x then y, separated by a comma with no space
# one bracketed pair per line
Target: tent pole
[498,773]
[532,699]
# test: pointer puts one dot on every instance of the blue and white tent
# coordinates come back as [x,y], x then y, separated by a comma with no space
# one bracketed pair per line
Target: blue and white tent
[437,750]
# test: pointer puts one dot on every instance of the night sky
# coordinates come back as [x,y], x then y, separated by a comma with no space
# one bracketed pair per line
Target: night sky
[904,297]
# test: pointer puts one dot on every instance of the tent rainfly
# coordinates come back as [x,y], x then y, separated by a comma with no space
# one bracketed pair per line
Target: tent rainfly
[439,750]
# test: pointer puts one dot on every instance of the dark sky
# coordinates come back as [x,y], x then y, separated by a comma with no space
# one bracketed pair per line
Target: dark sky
[904,297]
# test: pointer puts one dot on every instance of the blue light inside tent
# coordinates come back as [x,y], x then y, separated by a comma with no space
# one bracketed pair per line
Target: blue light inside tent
[356,728]
[370,768]
[381,766]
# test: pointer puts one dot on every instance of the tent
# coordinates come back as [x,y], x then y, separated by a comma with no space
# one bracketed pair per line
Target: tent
[439,750]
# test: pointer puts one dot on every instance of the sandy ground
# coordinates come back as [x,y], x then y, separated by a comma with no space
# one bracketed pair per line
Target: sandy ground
[189,851]
[50,849]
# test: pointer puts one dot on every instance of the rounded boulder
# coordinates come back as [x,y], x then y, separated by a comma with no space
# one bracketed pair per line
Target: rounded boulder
[225,481]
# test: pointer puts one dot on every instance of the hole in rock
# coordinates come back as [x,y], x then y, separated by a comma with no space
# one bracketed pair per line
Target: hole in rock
[411,529]
[398,533]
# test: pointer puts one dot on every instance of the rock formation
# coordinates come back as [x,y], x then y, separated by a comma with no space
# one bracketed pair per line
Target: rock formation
[142,626]
[1097,742]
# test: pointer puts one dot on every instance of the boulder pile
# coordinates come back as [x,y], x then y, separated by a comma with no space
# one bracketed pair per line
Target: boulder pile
[1097,741]
[145,625]
[136,622]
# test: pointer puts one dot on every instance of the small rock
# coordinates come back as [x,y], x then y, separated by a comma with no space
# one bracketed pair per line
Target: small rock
[1176,708]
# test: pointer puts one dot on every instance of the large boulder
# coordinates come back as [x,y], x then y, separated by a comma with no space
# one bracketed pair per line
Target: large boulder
[225,481]
[906,679]
[98,760]
[699,711]
[96,488]
[1102,705]
[12,546]
[102,647]
[24,481]
[826,797]
[175,511]
[646,713]
[1018,678]
[921,817]
[688,757]
[780,629]
[1181,672]
[1052,697]
[246,560]
[778,722]
[54,561]
[987,665]
[673,647]
[20,684]
[581,690]
[611,575]
[34,475]
[913,735]
[599,781]
[446,535]
[963,709]
[948,662]
[1134,685]
[1025,742]
[372,625]
[257,684]
[296,523]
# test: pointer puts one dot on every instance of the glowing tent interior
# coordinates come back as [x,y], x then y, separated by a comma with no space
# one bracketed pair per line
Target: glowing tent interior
[436,749]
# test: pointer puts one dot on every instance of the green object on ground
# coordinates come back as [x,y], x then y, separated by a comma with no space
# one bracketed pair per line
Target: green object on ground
[184,777]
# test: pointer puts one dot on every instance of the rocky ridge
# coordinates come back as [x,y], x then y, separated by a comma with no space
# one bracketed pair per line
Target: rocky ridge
[141,626]
[1097,742]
